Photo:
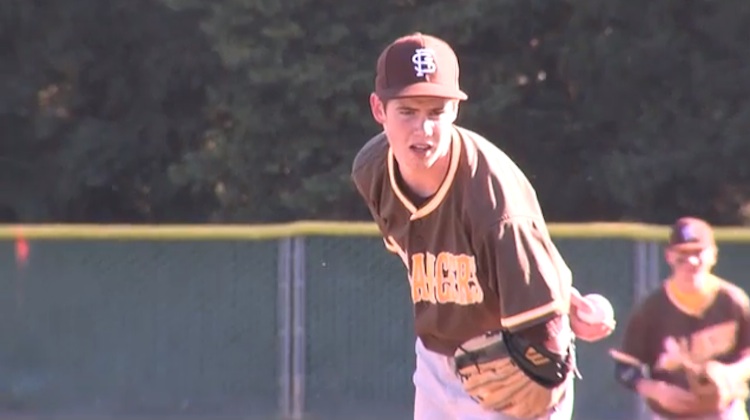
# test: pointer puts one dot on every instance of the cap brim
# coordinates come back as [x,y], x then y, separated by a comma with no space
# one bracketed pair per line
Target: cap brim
[691,246]
[422,89]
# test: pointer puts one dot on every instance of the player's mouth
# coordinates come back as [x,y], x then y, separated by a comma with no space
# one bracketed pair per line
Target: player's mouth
[421,148]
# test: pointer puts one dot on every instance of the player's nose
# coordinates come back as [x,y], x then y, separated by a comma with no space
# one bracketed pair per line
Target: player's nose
[427,127]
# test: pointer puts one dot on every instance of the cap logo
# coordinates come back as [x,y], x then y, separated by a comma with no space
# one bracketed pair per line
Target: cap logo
[424,61]
[687,233]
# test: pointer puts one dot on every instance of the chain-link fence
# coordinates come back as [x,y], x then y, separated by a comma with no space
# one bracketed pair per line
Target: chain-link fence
[140,328]
[310,327]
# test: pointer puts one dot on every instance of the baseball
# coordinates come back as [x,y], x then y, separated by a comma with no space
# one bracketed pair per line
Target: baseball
[603,310]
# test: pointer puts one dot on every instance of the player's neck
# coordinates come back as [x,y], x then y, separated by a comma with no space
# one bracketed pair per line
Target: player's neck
[693,283]
[425,182]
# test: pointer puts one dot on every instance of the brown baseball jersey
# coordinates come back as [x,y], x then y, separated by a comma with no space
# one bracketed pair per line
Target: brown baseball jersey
[478,253]
[670,326]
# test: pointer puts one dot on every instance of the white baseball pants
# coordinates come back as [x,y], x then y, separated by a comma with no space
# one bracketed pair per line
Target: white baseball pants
[439,394]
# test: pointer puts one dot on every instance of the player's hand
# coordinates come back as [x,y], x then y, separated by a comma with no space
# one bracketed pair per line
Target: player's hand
[715,385]
[587,331]
[590,332]
[670,397]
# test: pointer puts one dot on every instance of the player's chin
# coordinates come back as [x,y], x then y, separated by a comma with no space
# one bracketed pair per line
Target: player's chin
[691,270]
[421,161]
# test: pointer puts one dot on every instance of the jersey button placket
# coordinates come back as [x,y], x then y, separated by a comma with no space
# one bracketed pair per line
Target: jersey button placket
[416,236]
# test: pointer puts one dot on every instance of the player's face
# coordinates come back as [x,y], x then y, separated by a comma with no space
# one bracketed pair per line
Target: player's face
[418,129]
[688,263]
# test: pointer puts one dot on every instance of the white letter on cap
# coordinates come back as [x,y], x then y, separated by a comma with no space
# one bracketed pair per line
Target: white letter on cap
[424,61]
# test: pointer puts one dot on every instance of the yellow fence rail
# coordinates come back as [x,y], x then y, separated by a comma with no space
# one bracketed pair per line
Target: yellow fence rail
[634,231]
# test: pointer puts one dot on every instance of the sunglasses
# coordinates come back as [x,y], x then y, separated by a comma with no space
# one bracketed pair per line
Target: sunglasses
[682,257]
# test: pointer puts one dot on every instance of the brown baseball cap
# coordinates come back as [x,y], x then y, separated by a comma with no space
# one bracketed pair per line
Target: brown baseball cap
[691,233]
[418,65]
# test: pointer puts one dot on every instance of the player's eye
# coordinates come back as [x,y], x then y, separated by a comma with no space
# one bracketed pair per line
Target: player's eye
[683,257]
[437,113]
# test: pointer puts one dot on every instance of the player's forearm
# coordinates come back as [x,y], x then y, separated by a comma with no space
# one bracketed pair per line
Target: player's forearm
[646,388]
[553,334]
[632,373]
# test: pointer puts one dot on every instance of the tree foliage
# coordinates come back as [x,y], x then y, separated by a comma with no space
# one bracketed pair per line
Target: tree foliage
[100,96]
[252,110]
[664,85]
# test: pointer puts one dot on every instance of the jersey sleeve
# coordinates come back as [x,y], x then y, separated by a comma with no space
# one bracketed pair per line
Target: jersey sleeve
[364,193]
[365,171]
[743,323]
[388,242]
[532,280]
[634,346]
[632,362]
[368,169]
[372,205]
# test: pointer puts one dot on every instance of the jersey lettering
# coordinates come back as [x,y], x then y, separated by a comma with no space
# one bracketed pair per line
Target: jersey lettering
[445,278]
[703,345]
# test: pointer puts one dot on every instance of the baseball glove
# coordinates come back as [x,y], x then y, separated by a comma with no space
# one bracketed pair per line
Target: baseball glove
[506,373]
[714,385]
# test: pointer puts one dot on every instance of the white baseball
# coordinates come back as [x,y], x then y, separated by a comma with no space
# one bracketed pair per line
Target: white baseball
[603,310]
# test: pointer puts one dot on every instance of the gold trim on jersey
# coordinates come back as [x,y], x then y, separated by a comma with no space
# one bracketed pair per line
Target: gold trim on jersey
[530,315]
[438,198]
[392,246]
[693,303]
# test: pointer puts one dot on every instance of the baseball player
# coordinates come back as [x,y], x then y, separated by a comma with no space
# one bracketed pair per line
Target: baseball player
[495,310]
[686,348]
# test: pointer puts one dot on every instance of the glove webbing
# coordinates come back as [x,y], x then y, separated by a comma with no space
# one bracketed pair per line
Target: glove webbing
[549,375]
[496,351]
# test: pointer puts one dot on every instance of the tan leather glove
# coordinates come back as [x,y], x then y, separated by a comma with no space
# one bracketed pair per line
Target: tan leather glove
[504,373]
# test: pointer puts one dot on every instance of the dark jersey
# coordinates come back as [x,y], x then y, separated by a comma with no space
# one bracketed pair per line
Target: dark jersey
[669,327]
[478,253]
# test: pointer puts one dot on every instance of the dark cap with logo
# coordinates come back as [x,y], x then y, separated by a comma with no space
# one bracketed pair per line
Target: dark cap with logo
[418,65]
[691,233]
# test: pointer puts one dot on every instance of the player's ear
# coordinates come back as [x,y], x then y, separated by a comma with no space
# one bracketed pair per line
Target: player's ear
[378,108]
[714,256]
[669,256]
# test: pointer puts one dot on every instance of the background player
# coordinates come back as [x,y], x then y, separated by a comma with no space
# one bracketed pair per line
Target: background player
[686,347]
[486,279]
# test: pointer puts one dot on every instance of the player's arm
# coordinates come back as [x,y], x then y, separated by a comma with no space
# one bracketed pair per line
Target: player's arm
[369,194]
[363,173]
[635,360]
[361,184]
[368,169]
[532,282]
[632,364]
[535,340]
[741,367]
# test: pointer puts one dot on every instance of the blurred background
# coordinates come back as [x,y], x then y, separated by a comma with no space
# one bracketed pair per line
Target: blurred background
[244,112]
